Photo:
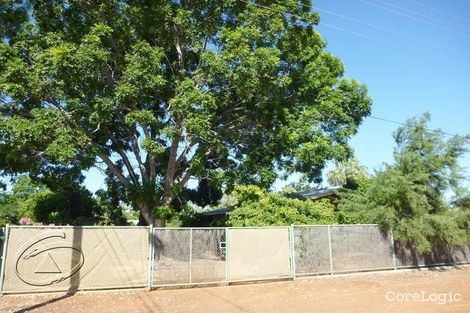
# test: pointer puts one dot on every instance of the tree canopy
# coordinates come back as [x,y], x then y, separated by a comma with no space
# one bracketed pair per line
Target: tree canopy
[408,196]
[160,92]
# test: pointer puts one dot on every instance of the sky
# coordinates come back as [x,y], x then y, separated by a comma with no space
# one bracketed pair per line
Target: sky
[414,56]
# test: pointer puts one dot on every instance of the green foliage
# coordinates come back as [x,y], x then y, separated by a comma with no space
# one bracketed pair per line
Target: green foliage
[72,204]
[13,205]
[160,92]
[163,212]
[350,174]
[69,206]
[257,207]
[408,196]
[189,217]
[108,203]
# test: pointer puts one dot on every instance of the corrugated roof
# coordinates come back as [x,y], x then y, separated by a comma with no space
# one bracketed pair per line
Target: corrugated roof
[218,211]
[320,192]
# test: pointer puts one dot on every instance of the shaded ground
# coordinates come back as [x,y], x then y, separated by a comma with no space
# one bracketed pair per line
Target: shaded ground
[374,292]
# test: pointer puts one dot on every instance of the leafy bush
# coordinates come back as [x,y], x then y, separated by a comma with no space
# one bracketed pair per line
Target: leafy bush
[256,207]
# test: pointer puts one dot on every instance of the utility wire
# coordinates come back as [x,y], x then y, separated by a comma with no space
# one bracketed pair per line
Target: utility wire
[371,116]
[323,24]
[420,14]
[437,10]
[338,28]
[389,30]
[413,17]
[404,124]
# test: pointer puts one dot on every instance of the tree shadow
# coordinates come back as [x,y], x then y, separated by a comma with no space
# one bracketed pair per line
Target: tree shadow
[37,306]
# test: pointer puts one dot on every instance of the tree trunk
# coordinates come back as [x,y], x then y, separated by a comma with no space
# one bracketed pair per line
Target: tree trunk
[146,214]
[159,223]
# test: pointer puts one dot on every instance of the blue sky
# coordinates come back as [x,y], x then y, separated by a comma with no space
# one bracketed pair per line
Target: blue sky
[423,64]
[414,56]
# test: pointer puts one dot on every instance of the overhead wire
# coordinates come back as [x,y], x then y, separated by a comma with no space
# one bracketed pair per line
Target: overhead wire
[419,14]
[323,24]
[308,20]
[359,21]
[413,17]
[405,124]
[437,10]
[359,34]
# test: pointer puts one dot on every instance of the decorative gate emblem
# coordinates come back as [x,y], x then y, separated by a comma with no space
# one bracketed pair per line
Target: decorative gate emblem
[48,260]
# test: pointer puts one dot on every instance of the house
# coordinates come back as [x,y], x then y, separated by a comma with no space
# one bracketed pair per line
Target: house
[330,193]
[215,216]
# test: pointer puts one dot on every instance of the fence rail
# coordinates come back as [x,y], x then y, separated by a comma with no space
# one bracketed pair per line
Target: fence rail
[64,258]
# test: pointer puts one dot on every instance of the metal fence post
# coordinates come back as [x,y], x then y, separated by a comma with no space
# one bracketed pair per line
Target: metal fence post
[190,255]
[227,254]
[393,250]
[4,256]
[151,258]
[292,244]
[330,250]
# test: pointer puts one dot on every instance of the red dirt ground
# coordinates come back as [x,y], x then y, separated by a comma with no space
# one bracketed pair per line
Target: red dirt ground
[357,293]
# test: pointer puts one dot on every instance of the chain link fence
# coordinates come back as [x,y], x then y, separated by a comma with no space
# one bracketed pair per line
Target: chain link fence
[41,258]
[360,247]
[185,256]
[189,256]
[322,249]
[341,248]
[258,253]
[69,258]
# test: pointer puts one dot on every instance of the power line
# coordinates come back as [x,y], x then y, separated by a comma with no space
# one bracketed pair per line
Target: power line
[412,17]
[437,10]
[371,116]
[389,30]
[323,24]
[420,14]
[404,124]
[338,28]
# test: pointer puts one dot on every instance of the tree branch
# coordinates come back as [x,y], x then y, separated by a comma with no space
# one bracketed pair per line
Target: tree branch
[136,150]
[114,169]
[151,159]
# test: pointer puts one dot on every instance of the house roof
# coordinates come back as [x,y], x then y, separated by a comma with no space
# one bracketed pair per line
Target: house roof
[320,192]
[218,211]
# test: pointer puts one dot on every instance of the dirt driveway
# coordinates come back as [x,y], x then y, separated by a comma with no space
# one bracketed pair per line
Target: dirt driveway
[437,290]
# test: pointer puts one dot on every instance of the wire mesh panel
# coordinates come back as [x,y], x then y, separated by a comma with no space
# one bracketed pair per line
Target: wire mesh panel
[360,247]
[311,246]
[75,258]
[408,256]
[258,253]
[171,256]
[188,256]
[208,255]
[460,255]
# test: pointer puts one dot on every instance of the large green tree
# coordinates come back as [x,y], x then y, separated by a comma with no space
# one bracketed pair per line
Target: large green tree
[159,92]
[409,196]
